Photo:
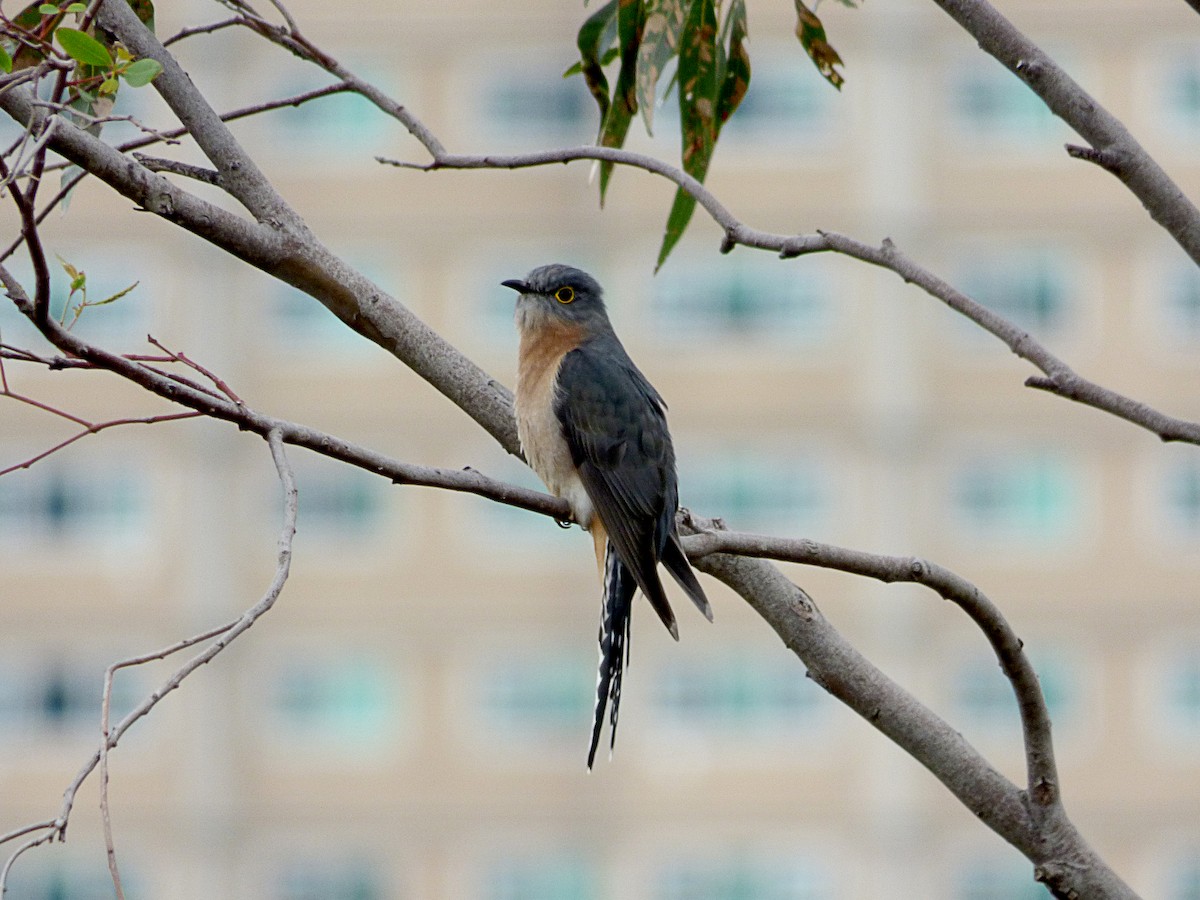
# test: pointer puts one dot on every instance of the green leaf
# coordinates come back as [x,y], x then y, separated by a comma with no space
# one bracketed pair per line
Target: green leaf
[6,62]
[84,48]
[142,72]
[660,41]
[677,221]
[735,79]
[698,95]
[594,37]
[77,8]
[48,9]
[811,33]
[621,111]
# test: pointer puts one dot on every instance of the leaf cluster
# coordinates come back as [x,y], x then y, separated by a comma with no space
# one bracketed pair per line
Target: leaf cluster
[709,46]
[101,62]
[78,286]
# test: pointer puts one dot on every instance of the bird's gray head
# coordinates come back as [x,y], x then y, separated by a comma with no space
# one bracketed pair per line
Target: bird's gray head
[559,293]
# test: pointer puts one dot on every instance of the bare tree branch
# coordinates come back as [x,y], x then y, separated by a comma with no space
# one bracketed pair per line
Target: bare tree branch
[240,175]
[297,259]
[89,428]
[1063,860]
[24,830]
[1059,378]
[210,404]
[1041,771]
[174,167]
[225,635]
[1113,147]
[185,33]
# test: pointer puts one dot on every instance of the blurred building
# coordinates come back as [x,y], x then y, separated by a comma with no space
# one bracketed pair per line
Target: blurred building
[410,721]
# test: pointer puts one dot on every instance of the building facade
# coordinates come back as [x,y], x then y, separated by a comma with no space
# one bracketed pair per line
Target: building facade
[410,721]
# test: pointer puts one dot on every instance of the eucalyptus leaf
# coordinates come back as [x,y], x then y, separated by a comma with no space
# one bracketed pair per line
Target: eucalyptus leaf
[699,86]
[592,44]
[812,37]
[660,42]
[621,111]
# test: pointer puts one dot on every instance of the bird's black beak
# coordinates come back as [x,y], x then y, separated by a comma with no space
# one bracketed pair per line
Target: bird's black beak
[517,285]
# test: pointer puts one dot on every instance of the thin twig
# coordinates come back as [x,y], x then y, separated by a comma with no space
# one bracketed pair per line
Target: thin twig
[24,830]
[225,634]
[90,119]
[200,29]
[1059,378]
[43,838]
[88,429]
[211,376]
[106,741]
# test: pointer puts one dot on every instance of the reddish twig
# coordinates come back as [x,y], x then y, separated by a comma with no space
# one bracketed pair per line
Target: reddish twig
[182,358]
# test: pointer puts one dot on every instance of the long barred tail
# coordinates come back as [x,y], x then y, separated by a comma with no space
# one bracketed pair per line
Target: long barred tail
[619,588]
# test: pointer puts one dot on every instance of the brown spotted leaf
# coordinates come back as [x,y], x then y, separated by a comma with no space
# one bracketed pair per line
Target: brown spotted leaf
[660,42]
[811,33]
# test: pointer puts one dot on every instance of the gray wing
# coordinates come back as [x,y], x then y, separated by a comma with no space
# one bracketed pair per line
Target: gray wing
[616,428]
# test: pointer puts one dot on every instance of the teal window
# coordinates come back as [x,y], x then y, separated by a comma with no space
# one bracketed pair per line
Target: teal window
[554,876]
[987,101]
[337,503]
[1180,302]
[999,881]
[1182,694]
[537,105]
[1182,496]
[757,491]
[61,697]
[537,693]
[1029,288]
[731,298]
[1021,498]
[298,322]
[124,320]
[53,502]
[349,704]
[314,130]
[983,694]
[73,881]
[340,503]
[1185,880]
[741,878]
[297,318]
[1181,94]
[744,695]
[357,879]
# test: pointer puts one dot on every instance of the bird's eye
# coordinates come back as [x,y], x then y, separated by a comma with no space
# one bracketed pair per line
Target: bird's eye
[564,294]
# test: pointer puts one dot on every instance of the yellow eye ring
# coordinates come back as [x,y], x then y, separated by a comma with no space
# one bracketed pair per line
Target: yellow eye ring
[564,294]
